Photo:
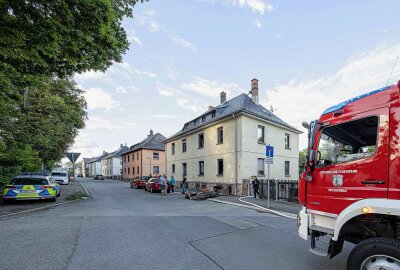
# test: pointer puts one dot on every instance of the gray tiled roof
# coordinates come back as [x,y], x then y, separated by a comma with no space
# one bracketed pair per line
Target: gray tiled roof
[241,103]
[96,159]
[152,142]
[87,160]
[119,152]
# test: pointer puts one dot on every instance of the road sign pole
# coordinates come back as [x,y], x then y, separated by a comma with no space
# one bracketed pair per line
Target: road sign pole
[73,170]
[268,185]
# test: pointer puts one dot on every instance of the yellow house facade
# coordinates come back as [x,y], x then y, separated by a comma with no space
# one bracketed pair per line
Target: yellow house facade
[226,145]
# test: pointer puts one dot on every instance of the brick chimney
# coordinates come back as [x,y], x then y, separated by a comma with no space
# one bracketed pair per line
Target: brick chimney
[223,97]
[151,133]
[210,108]
[254,90]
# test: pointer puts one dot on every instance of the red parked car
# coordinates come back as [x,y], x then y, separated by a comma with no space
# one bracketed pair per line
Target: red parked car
[139,182]
[153,185]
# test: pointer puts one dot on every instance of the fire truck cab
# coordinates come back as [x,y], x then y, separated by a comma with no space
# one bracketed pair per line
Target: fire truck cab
[350,189]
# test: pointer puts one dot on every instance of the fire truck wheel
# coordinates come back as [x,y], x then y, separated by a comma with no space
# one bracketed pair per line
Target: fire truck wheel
[375,253]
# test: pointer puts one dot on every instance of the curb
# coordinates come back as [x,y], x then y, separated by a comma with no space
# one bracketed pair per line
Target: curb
[257,207]
[46,207]
[85,189]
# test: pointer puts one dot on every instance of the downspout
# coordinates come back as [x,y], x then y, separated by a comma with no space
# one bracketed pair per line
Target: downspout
[236,158]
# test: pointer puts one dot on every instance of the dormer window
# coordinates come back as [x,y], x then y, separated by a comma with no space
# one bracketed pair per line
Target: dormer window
[213,114]
[203,119]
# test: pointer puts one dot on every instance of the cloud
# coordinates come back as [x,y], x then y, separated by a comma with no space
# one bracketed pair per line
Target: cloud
[305,99]
[121,90]
[133,38]
[164,90]
[164,116]
[212,88]
[97,98]
[256,6]
[257,23]
[146,19]
[189,105]
[182,42]
[93,76]
[99,122]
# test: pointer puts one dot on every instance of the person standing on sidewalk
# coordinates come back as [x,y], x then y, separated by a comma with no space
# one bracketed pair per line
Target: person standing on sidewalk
[256,185]
[172,183]
[163,184]
[184,185]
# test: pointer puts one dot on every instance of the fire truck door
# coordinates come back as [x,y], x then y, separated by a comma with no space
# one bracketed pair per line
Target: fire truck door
[352,161]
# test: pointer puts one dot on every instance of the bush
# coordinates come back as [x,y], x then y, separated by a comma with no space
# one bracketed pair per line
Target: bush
[76,196]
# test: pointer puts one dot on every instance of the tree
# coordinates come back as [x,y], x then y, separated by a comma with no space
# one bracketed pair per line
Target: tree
[302,160]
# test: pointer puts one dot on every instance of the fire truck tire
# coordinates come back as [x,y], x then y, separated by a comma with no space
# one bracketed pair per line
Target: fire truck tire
[375,253]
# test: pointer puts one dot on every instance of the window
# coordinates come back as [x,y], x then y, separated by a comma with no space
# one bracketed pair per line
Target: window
[137,156]
[287,141]
[184,145]
[184,169]
[129,170]
[261,134]
[128,158]
[173,148]
[124,159]
[261,167]
[201,168]
[220,135]
[201,140]
[156,169]
[124,170]
[348,141]
[203,119]
[133,170]
[220,166]
[156,155]
[173,168]
[287,168]
[133,157]
[213,114]
[138,172]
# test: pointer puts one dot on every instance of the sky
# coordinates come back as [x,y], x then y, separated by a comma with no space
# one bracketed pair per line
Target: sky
[307,56]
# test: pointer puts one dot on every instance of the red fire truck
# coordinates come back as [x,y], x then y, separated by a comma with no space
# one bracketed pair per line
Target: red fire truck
[350,189]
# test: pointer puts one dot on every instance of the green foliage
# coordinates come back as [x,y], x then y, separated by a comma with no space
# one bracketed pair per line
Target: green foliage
[302,160]
[76,196]
[42,44]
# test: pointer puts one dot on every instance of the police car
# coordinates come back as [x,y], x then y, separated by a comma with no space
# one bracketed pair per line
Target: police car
[31,187]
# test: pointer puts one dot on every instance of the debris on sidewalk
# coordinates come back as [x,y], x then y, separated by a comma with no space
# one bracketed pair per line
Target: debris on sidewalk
[201,195]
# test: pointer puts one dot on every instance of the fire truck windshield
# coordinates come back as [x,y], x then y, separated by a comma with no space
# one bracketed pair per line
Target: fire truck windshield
[348,141]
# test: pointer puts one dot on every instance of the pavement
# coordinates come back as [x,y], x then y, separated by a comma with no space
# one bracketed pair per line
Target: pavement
[124,228]
[19,206]
[286,207]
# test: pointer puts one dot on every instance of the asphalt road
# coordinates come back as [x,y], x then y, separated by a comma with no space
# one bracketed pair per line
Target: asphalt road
[123,228]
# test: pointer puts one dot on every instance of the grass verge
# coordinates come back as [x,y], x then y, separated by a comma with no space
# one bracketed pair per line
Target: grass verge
[76,196]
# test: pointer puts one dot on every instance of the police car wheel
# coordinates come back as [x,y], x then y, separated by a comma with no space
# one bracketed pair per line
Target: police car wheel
[375,253]
[59,194]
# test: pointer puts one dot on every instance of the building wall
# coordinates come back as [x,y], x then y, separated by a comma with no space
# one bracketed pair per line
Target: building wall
[116,166]
[141,162]
[210,153]
[274,136]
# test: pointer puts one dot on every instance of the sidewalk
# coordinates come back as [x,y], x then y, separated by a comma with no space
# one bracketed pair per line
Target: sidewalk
[274,205]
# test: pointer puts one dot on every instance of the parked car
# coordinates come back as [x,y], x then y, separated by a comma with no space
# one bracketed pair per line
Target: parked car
[80,175]
[153,185]
[60,177]
[139,182]
[31,187]
[99,177]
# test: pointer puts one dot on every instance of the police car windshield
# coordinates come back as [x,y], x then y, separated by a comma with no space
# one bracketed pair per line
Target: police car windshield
[29,181]
[58,174]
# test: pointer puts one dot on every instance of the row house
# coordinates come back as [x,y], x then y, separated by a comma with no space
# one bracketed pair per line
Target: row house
[85,167]
[227,144]
[145,158]
[112,163]
[96,165]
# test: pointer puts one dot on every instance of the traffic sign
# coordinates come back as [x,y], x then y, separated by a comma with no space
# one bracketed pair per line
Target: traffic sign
[72,156]
[269,151]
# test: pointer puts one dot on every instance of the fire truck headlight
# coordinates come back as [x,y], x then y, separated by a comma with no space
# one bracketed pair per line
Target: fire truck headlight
[365,210]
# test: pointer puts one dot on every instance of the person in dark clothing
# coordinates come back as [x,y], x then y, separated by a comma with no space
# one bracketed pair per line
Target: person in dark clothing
[184,185]
[256,185]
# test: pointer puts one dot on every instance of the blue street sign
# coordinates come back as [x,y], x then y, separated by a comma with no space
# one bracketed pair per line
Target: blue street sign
[269,151]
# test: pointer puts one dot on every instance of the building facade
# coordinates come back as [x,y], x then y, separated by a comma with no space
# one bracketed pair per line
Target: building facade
[145,158]
[227,144]
[96,164]
[112,163]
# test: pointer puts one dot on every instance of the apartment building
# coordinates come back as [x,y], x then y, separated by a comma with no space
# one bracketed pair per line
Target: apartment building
[112,163]
[96,165]
[227,144]
[145,158]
